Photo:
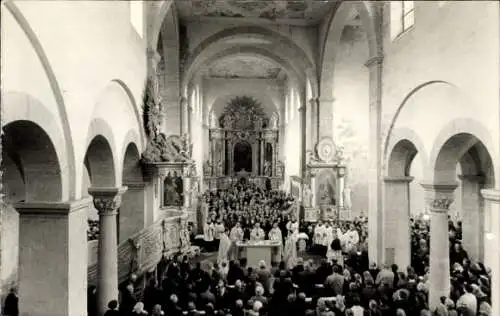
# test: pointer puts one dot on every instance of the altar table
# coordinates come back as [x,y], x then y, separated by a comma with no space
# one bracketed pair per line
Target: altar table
[255,251]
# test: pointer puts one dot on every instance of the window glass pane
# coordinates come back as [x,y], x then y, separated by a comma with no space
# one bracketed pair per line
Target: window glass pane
[408,6]
[396,18]
[409,20]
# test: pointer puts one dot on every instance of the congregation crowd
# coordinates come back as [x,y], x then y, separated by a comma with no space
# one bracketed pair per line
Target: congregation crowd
[333,277]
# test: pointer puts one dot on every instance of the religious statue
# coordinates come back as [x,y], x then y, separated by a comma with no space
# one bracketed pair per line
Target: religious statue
[214,123]
[267,168]
[258,123]
[207,168]
[307,199]
[274,121]
[310,157]
[220,168]
[187,146]
[347,198]
[184,236]
[280,168]
[134,259]
[228,122]
[339,154]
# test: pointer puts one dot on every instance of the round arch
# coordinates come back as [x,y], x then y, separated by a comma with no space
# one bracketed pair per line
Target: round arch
[211,54]
[336,23]
[452,143]
[17,107]
[35,160]
[131,171]
[159,14]
[404,145]
[100,155]
[140,141]
[218,104]
[131,138]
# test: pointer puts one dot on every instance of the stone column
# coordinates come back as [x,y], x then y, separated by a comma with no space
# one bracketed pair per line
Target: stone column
[397,234]
[375,218]
[53,258]
[313,103]
[302,129]
[107,201]
[190,121]
[325,117]
[472,216]
[186,181]
[262,143]
[439,197]
[185,115]
[492,243]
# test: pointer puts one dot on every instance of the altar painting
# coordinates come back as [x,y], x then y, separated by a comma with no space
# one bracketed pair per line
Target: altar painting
[173,190]
[325,188]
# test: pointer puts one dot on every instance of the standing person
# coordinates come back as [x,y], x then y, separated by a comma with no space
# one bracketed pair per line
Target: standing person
[275,235]
[236,235]
[218,230]
[290,252]
[208,235]
[351,239]
[224,247]
[11,306]
[318,243]
[257,233]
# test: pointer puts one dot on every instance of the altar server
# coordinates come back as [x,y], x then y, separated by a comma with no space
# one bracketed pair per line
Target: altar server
[224,248]
[218,230]
[319,235]
[208,235]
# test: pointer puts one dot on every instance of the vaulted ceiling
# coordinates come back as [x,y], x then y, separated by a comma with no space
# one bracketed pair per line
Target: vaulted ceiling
[293,12]
[243,66]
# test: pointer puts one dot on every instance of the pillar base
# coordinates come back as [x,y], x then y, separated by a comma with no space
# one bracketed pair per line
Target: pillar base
[53,258]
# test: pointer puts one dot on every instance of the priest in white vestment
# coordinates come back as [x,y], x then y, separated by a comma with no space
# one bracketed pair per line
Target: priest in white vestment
[351,239]
[224,247]
[236,235]
[257,233]
[329,236]
[275,235]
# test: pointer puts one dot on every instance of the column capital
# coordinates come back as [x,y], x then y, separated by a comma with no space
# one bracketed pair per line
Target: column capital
[439,196]
[471,178]
[302,108]
[398,179]
[376,60]
[51,208]
[313,100]
[107,200]
[491,195]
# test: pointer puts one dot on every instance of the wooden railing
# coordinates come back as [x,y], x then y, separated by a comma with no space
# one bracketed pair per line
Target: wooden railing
[144,250]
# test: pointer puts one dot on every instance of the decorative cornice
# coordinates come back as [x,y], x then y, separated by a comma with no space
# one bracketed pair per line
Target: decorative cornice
[51,208]
[398,179]
[492,195]
[107,200]
[439,187]
[377,60]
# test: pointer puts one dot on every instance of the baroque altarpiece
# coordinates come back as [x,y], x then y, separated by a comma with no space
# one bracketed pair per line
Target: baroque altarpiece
[244,146]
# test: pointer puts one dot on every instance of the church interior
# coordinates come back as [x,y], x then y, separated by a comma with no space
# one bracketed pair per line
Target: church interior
[149,147]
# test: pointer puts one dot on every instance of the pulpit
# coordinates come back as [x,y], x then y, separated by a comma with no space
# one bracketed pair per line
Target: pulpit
[255,251]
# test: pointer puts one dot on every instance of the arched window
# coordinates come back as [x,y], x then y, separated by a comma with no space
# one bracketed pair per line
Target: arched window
[137,16]
[402,17]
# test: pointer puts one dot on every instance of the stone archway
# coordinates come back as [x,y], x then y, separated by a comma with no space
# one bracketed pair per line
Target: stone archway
[474,160]
[397,229]
[369,15]
[132,217]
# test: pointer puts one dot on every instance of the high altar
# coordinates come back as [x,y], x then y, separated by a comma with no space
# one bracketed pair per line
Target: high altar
[243,147]
[324,194]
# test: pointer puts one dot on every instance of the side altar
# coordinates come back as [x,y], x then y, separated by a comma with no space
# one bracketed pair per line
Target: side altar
[324,195]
